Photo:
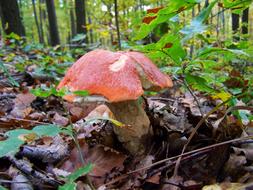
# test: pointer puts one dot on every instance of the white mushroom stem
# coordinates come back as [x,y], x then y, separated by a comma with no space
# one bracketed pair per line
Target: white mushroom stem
[131,113]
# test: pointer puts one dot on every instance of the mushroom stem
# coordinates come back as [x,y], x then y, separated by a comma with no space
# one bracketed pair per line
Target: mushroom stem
[131,113]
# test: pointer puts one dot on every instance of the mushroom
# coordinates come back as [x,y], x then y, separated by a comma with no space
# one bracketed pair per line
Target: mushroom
[120,78]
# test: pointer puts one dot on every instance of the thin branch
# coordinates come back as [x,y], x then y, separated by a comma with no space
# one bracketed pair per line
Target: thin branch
[203,149]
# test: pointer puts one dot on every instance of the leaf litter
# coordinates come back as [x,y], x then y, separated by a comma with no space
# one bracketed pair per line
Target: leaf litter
[45,161]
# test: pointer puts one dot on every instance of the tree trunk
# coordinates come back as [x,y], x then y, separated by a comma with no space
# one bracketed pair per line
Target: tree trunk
[206,3]
[72,23]
[223,23]
[81,18]
[11,19]
[54,35]
[90,31]
[117,22]
[245,21]
[36,21]
[235,26]
[41,20]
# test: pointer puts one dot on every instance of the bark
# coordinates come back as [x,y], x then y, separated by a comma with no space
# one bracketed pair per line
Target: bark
[245,21]
[90,31]
[36,21]
[223,23]
[117,22]
[11,19]
[81,18]
[206,3]
[72,23]
[57,151]
[42,18]
[20,181]
[53,29]
[36,176]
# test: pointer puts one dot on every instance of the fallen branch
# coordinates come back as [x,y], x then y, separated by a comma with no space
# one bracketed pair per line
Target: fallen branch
[55,152]
[36,177]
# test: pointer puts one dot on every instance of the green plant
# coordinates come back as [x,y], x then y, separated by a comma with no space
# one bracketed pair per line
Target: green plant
[17,137]
[70,179]
[211,66]
[5,71]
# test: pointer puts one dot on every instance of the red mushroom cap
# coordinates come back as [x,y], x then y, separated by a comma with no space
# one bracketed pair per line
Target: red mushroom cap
[117,76]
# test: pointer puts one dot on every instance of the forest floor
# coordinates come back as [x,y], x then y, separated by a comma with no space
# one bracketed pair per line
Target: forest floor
[197,142]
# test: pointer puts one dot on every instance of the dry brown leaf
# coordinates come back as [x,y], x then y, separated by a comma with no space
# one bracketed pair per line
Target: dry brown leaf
[60,120]
[155,178]
[247,151]
[226,186]
[173,183]
[107,162]
[22,105]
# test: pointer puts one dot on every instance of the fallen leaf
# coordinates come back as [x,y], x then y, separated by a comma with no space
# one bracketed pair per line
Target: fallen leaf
[107,162]
[225,186]
[22,105]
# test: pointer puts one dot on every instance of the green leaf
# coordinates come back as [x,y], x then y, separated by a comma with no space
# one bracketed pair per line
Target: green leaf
[115,122]
[224,96]
[197,25]
[168,46]
[68,131]
[40,93]
[173,8]
[9,77]
[79,172]
[237,6]
[17,132]
[244,116]
[15,140]
[204,14]
[78,37]
[10,146]
[207,51]
[68,186]
[198,83]
[81,92]
[47,130]
[45,92]
[2,188]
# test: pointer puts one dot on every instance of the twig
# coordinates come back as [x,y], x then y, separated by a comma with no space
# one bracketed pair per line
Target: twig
[194,132]
[28,120]
[196,129]
[203,149]
[194,96]
[74,136]
[38,177]
[55,152]
[162,99]
[9,181]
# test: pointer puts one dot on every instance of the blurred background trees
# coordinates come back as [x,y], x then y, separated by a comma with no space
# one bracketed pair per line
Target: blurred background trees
[105,22]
